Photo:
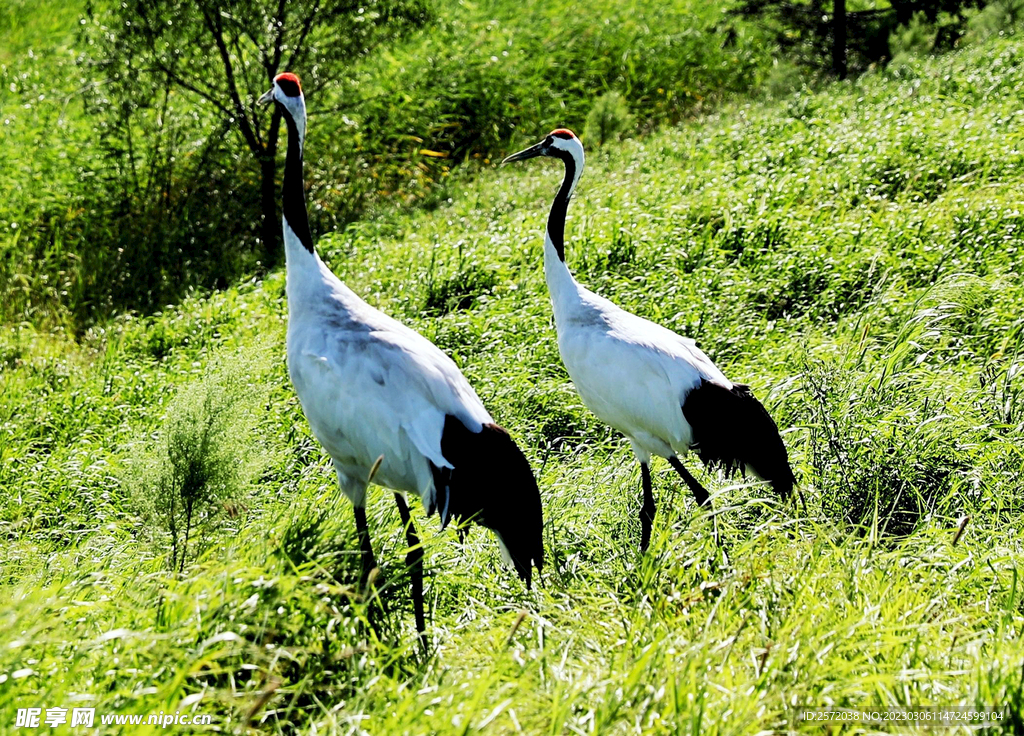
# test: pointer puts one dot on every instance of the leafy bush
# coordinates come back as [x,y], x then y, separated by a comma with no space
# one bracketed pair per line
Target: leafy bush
[886,448]
[881,462]
[460,290]
[784,78]
[484,77]
[191,479]
[915,38]
[608,120]
[998,17]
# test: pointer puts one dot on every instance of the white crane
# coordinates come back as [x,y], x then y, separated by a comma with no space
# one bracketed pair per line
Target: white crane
[656,387]
[388,405]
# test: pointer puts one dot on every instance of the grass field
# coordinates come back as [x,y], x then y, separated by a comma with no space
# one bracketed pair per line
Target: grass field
[854,254]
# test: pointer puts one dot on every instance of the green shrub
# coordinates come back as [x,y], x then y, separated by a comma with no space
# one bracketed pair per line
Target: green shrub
[882,460]
[608,120]
[784,78]
[913,39]
[192,477]
[998,17]
[460,290]
[886,448]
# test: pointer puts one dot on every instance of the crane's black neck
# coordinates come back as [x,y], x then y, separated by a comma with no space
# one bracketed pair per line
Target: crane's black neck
[294,192]
[556,218]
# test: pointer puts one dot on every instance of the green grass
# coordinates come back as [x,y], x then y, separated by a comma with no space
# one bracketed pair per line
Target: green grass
[47,166]
[36,26]
[853,254]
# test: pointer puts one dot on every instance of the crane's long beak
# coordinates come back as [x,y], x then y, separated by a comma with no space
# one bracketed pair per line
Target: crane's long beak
[267,98]
[531,152]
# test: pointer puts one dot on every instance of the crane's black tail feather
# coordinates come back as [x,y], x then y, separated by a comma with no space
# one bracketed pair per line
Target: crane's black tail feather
[734,432]
[492,484]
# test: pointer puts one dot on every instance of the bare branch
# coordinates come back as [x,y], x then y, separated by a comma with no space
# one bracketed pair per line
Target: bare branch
[202,91]
[250,93]
[185,84]
[279,19]
[213,24]
[209,146]
[307,26]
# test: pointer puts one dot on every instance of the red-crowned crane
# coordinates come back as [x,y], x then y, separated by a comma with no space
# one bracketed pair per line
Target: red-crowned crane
[656,387]
[387,404]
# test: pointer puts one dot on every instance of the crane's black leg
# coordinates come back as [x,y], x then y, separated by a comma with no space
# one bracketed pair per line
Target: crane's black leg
[415,562]
[366,549]
[699,491]
[648,509]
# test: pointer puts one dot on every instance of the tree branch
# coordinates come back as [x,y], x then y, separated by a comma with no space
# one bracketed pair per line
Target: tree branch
[307,25]
[209,145]
[185,84]
[279,19]
[213,24]
[250,93]
[149,35]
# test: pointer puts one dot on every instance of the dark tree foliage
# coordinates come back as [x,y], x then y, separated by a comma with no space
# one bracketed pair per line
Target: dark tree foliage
[192,160]
[828,35]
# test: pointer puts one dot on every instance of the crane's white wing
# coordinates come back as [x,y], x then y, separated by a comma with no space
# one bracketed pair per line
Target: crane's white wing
[373,387]
[633,373]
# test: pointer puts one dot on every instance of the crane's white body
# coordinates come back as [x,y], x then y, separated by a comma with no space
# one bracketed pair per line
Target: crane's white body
[632,373]
[384,401]
[369,385]
[656,387]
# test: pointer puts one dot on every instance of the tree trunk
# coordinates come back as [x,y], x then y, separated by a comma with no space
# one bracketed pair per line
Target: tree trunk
[271,225]
[839,38]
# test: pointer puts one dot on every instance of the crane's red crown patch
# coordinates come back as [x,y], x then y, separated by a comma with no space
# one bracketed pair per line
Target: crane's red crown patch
[289,84]
[563,133]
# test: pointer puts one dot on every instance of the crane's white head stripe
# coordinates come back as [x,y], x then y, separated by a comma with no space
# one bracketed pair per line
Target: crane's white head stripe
[287,93]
